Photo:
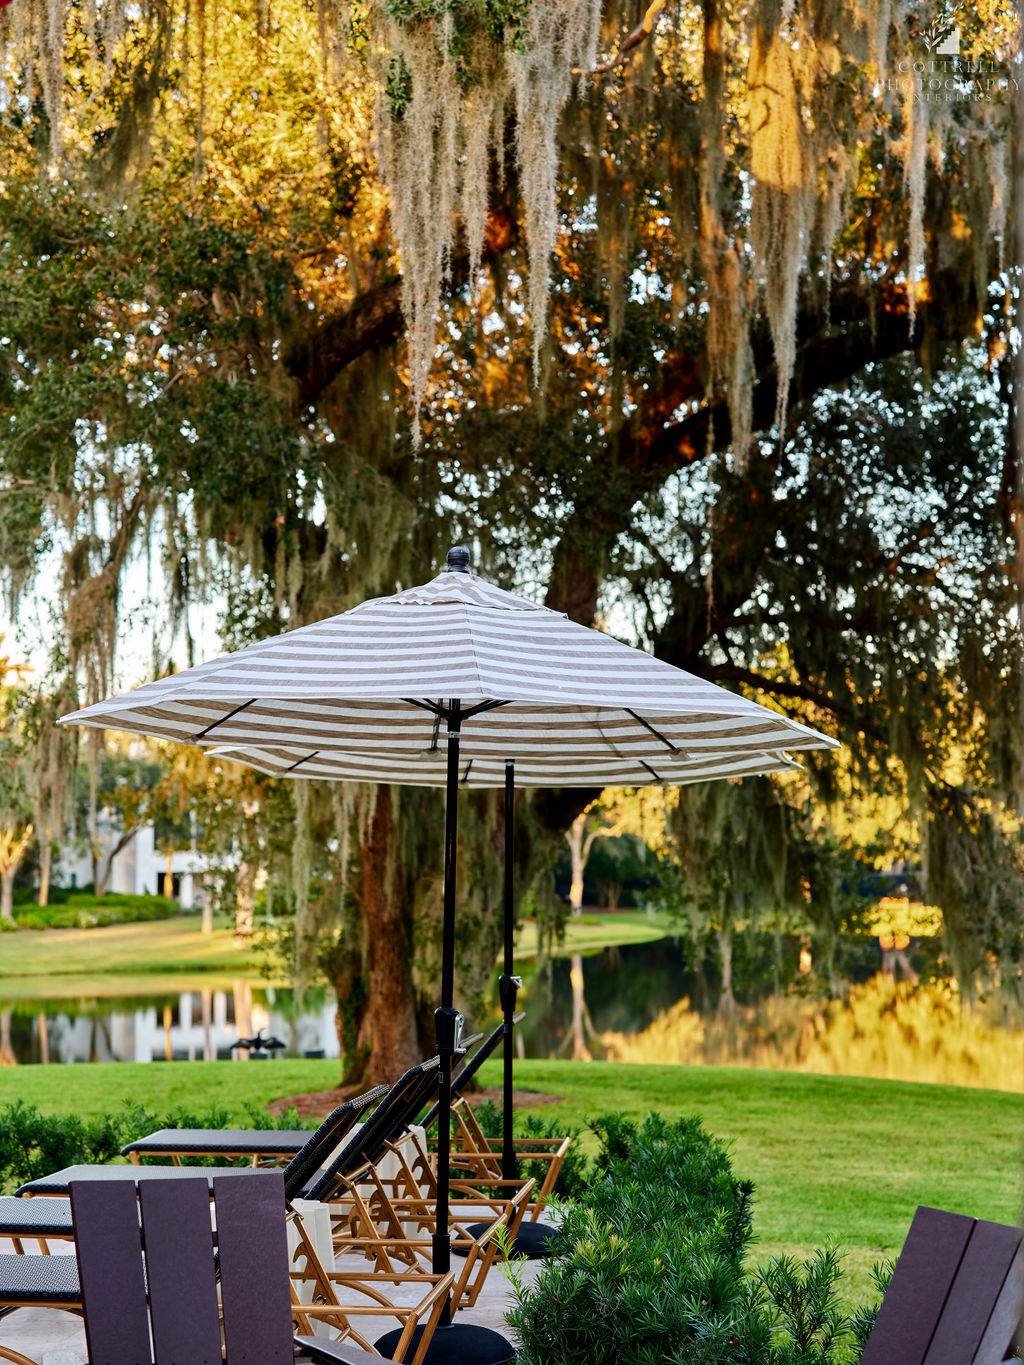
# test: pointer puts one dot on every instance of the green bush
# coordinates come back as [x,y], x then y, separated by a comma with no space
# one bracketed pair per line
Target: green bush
[85,910]
[34,1144]
[650,1268]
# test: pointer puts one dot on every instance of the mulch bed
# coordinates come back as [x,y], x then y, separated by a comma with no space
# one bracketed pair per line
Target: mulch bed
[321,1102]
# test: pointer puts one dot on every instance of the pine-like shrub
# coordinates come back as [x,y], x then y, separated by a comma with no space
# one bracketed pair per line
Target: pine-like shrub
[650,1268]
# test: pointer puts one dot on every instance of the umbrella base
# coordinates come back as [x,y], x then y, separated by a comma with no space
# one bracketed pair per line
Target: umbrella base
[533,1240]
[461,1343]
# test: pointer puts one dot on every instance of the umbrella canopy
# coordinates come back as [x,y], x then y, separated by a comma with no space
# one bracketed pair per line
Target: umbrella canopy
[462,674]
[372,679]
[428,770]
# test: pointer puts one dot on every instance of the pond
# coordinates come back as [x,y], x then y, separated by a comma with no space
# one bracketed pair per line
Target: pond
[632,1003]
[621,989]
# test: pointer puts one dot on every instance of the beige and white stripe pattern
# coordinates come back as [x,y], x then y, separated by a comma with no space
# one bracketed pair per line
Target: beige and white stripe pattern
[348,696]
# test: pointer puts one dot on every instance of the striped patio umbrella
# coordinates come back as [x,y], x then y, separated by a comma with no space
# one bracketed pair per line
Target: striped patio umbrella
[461,683]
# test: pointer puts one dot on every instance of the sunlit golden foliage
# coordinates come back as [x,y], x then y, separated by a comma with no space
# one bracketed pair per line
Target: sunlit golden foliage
[883,1029]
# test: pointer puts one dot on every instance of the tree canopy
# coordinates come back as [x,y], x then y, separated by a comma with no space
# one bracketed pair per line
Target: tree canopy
[704,333]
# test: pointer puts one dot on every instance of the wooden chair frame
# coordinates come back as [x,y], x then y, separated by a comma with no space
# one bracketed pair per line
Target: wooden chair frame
[326,1306]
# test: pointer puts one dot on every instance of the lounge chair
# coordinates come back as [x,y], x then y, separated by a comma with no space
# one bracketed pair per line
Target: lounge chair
[260,1146]
[956,1296]
[49,1219]
[480,1157]
[256,1144]
[165,1301]
[382,1217]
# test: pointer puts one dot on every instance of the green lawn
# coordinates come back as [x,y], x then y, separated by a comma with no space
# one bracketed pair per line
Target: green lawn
[41,963]
[594,931]
[165,946]
[833,1158]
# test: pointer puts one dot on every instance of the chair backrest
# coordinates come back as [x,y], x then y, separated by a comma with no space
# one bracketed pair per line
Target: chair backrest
[314,1153]
[956,1295]
[471,1065]
[178,1320]
[392,1116]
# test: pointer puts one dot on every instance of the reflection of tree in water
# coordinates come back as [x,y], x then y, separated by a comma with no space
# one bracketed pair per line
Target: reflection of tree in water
[7,1057]
[882,1028]
[581,1029]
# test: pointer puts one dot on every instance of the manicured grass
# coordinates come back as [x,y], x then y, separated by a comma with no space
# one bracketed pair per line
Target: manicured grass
[165,946]
[833,1158]
[37,964]
[596,930]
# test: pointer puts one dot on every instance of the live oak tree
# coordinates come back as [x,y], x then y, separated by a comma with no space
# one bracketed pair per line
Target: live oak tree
[710,344]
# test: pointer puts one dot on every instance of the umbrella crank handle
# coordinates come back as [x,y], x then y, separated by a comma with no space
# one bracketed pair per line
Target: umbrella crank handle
[508,991]
[448,1024]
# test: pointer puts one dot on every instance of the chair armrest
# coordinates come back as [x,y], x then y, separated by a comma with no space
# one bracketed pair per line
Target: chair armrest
[320,1350]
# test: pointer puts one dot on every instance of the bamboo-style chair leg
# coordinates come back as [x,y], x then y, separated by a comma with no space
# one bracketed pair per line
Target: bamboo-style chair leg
[8,1353]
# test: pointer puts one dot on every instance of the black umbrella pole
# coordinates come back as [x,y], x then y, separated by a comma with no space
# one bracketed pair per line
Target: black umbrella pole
[447,1019]
[508,985]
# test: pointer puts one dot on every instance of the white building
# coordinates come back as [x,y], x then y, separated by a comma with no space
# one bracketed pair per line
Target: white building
[137,869]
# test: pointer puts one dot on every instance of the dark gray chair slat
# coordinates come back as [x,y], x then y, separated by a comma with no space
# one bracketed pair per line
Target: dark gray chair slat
[178,1234]
[59,1181]
[1006,1317]
[973,1294]
[920,1284]
[261,1141]
[254,1271]
[108,1248]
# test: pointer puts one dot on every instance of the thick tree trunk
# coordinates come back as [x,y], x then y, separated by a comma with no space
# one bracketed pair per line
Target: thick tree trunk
[390,1023]
[7,895]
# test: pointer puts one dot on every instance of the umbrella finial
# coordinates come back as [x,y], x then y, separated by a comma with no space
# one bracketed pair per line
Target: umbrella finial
[458,559]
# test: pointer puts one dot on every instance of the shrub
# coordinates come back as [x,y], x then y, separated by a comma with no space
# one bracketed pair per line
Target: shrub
[34,1144]
[649,1267]
[85,910]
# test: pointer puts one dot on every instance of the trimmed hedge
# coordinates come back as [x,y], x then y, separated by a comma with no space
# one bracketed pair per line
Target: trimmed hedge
[650,1268]
[85,910]
[34,1144]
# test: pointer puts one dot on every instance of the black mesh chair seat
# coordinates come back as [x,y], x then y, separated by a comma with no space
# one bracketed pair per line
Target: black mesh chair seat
[58,1181]
[34,1217]
[39,1279]
[216,1141]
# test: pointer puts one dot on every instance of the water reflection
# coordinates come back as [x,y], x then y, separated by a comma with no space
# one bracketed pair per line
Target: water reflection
[192,1025]
[635,1003]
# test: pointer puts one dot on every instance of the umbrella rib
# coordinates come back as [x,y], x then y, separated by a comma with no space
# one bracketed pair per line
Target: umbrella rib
[482,706]
[223,719]
[465,775]
[649,768]
[304,759]
[656,733]
[432,706]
